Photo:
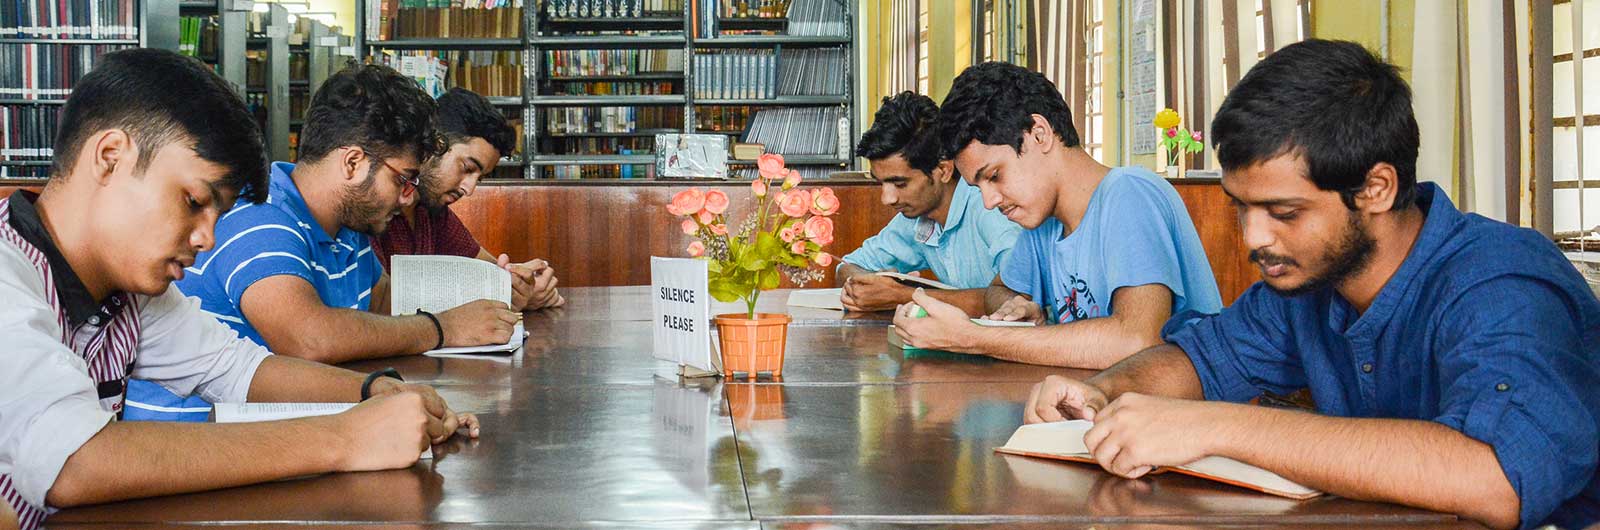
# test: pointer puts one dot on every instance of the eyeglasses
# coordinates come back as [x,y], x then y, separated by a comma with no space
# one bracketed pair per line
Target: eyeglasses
[408,182]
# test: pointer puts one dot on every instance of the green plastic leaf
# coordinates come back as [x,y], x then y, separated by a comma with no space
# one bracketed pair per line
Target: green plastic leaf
[724,291]
[769,279]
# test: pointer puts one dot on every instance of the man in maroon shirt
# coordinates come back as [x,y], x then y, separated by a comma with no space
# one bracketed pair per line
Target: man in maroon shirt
[478,135]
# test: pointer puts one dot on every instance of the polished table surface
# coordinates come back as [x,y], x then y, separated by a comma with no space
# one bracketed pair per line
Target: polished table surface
[584,429]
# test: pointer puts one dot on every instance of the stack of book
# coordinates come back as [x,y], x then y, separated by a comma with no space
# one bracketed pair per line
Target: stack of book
[438,19]
[611,8]
[573,63]
[74,19]
[754,8]
[722,118]
[493,73]
[813,72]
[815,18]
[584,120]
[197,37]
[735,74]
[29,131]
[46,71]
[799,131]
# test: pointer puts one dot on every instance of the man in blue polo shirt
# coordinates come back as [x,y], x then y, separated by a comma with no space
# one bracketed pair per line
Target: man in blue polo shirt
[1452,358]
[1108,255]
[297,274]
[942,225]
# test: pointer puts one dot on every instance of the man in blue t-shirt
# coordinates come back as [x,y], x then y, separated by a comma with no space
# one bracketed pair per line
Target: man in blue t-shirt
[1452,359]
[297,274]
[942,225]
[1108,255]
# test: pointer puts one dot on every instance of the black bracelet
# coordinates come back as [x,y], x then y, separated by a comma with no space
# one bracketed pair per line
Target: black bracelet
[366,386]
[437,327]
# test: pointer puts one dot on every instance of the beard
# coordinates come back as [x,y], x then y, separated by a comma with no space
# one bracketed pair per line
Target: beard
[430,197]
[361,211]
[1349,257]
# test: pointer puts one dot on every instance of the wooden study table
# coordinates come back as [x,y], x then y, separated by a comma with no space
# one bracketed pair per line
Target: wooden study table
[583,429]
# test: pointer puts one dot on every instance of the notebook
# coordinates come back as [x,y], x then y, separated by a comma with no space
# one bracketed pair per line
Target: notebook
[1063,440]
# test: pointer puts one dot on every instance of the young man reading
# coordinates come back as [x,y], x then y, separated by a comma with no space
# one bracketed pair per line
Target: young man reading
[1452,358]
[152,148]
[942,225]
[477,136]
[297,273]
[1108,255]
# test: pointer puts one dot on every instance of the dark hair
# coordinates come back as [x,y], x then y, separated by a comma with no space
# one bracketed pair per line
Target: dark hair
[994,103]
[372,107]
[464,115]
[1333,103]
[159,97]
[907,124]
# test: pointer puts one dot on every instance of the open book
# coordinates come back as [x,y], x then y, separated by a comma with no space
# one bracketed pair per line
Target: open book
[829,298]
[894,338]
[439,283]
[1063,440]
[253,412]
[916,281]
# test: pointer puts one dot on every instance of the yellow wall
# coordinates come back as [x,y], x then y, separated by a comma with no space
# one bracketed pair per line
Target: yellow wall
[1361,22]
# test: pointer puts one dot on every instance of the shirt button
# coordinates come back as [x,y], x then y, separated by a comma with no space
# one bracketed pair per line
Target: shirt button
[1502,387]
[1366,367]
[94,320]
[116,301]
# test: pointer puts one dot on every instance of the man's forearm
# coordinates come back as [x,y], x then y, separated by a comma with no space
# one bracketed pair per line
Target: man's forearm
[996,295]
[1161,370]
[286,379]
[973,301]
[847,271]
[127,460]
[1093,344]
[342,335]
[1412,462]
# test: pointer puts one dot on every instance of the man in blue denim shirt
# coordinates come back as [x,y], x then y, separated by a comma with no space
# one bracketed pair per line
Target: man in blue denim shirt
[1452,358]
[942,225]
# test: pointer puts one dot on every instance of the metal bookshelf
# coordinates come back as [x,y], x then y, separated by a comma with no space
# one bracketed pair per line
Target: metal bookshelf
[544,32]
[231,30]
[153,32]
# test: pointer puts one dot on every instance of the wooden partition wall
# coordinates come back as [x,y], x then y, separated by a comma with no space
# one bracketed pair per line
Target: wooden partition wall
[603,233]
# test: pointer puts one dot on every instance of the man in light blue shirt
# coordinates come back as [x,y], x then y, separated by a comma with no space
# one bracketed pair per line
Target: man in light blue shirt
[1109,255]
[942,225]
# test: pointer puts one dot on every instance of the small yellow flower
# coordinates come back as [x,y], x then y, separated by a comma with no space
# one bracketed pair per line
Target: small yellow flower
[1167,119]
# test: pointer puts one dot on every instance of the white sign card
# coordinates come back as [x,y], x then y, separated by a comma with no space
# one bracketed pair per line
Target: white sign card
[682,309]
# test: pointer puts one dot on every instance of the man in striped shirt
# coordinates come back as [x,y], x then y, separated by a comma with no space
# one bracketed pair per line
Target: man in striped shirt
[152,148]
[297,273]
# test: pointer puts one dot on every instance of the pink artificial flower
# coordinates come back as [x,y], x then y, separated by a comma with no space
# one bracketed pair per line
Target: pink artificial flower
[719,229]
[706,217]
[787,234]
[795,203]
[819,229]
[689,226]
[791,178]
[716,202]
[1172,133]
[770,165]
[1196,135]
[823,259]
[687,202]
[824,202]
[758,187]
[696,249]
[798,247]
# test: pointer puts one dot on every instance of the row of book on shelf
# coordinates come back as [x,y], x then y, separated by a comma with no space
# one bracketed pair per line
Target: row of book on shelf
[444,19]
[29,131]
[70,19]
[810,18]
[46,71]
[802,131]
[197,36]
[582,120]
[611,88]
[491,73]
[611,8]
[573,63]
[760,74]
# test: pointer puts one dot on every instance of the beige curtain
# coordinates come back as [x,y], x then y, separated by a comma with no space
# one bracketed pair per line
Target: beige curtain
[903,46]
[1061,54]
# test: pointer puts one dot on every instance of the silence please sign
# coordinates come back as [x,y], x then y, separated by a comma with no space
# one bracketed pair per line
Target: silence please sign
[682,309]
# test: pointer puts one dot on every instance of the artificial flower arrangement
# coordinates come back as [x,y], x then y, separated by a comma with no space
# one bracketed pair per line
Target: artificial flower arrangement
[782,236]
[1176,139]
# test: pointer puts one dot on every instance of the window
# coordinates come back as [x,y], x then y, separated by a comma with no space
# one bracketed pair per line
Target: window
[922,47]
[1576,97]
[1094,103]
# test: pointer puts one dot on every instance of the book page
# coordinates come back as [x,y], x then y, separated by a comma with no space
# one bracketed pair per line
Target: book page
[253,412]
[491,351]
[441,283]
[916,281]
[817,298]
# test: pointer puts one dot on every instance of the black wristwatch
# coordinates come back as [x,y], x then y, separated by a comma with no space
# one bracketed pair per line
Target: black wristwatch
[366,386]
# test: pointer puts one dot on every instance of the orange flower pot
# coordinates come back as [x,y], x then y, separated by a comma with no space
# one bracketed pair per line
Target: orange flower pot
[752,346]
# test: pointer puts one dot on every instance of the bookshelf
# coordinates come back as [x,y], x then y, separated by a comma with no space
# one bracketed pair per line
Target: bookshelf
[60,52]
[218,37]
[596,123]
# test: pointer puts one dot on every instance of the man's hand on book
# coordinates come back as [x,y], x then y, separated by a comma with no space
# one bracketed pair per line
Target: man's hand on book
[1060,398]
[385,432]
[1019,309]
[442,421]
[1137,433]
[871,292]
[478,323]
[941,327]
[533,284]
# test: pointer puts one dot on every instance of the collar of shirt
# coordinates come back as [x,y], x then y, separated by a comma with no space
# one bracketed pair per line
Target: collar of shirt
[287,195]
[930,232]
[1442,219]
[74,296]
